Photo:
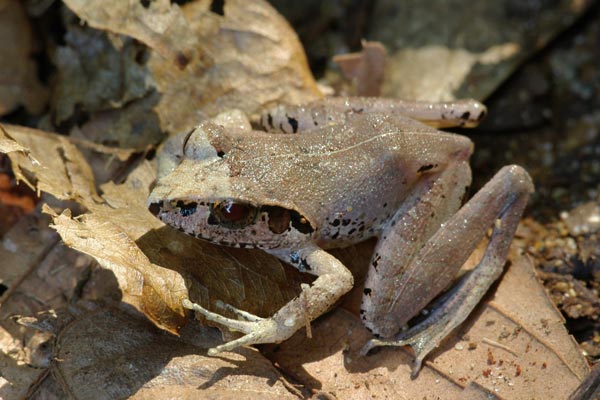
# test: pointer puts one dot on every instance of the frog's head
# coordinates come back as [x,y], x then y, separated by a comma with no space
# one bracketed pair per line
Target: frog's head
[200,196]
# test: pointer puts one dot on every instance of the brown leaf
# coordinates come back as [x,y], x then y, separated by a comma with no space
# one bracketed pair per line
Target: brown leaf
[91,339]
[159,24]
[51,162]
[514,346]
[38,274]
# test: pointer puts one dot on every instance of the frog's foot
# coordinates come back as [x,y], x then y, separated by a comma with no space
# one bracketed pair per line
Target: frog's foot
[256,329]
[427,335]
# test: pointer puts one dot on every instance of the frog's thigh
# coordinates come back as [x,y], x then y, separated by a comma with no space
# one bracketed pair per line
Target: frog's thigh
[430,204]
[499,205]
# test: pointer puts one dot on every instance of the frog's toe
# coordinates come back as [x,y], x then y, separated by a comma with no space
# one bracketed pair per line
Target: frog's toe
[234,324]
[413,342]
[246,340]
[240,313]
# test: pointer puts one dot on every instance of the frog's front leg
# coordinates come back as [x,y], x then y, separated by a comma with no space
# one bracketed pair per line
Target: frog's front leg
[395,292]
[334,280]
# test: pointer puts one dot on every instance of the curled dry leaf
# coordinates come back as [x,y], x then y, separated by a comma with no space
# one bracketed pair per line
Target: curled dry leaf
[19,84]
[48,163]
[503,349]
[199,62]
[140,281]
[41,274]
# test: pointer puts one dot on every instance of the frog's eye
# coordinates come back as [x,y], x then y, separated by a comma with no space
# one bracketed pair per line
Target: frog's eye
[233,215]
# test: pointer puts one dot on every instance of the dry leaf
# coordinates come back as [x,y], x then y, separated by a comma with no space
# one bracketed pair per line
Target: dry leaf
[38,274]
[51,162]
[19,83]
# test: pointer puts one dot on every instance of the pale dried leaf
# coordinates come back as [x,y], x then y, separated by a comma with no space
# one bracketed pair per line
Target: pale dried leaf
[436,73]
[139,279]
[19,84]
[8,144]
[514,346]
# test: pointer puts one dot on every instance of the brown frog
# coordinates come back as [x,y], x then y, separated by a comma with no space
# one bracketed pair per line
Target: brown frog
[359,168]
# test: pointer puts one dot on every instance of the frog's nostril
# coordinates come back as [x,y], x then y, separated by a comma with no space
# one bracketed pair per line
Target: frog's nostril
[155,208]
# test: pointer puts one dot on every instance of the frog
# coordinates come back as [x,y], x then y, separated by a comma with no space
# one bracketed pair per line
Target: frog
[336,172]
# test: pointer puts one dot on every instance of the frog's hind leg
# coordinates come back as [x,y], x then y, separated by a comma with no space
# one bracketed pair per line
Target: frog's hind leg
[435,263]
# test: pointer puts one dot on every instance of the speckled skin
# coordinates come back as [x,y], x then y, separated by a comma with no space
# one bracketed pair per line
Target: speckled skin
[330,111]
[342,182]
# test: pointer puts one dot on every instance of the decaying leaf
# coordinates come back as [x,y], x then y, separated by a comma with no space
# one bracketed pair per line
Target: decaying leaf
[19,84]
[51,164]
